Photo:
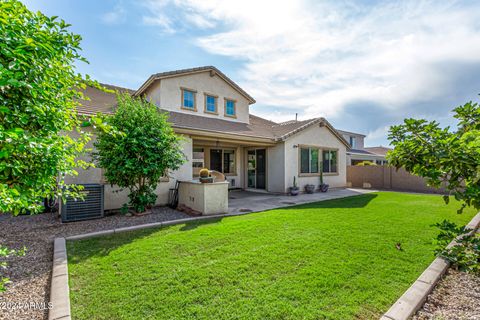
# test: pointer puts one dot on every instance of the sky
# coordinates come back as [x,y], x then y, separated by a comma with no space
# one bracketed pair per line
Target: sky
[363,65]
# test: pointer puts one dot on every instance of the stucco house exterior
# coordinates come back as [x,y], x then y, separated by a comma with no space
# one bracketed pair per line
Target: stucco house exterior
[212,113]
[359,153]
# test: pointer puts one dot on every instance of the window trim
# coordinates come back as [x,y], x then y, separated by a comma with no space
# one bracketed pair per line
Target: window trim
[308,174]
[337,162]
[320,160]
[182,90]
[205,95]
[234,108]
[353,142]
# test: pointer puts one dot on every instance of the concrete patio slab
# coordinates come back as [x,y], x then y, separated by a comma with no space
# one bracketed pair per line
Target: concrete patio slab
[247,201]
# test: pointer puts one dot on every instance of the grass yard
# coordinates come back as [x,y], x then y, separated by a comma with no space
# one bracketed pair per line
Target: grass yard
[329,260]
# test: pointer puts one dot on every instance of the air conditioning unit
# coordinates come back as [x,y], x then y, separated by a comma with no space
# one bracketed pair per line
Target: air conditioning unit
[91,207]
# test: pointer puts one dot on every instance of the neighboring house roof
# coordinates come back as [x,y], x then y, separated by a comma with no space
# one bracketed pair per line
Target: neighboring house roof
[380,150]
[176,73]
[100,101]
[350,133]
[360,151]
[105,102]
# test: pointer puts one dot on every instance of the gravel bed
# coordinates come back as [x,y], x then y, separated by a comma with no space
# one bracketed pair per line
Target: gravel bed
[456,297]
[31,274]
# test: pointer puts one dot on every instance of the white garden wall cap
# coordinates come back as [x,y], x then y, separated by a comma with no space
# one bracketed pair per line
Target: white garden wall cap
[409,303]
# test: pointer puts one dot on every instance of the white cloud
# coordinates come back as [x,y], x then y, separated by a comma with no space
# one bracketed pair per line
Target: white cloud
[118,15]
[319,58]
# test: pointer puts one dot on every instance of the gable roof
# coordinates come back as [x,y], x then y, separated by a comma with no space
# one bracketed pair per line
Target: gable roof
[175,73]
[105,102]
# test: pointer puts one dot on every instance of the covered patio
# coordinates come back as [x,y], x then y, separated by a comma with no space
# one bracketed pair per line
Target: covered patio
[240,201]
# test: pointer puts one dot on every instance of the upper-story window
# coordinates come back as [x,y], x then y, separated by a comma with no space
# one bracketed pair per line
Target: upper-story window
[210,104]
[353,142]
[230,108]
[188,99]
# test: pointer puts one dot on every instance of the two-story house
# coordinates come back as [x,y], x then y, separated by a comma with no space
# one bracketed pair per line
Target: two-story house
[212,113]
[359,153]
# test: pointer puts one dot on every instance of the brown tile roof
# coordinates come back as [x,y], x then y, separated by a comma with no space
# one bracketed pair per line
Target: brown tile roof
[100,101]
[380,150]
[189,121]
[174,73]
[258,127]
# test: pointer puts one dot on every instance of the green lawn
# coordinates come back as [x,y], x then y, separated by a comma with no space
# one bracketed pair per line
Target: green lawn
[328,260]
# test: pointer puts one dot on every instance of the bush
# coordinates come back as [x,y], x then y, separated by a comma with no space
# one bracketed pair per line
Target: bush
[136,147]
[465,254]
[366,163]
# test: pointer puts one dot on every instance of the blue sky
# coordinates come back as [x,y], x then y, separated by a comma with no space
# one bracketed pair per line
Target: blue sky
[364,65]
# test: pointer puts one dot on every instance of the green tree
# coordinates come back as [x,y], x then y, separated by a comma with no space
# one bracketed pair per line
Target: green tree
[445,157]
[38,92]
[138,148]
[448,158]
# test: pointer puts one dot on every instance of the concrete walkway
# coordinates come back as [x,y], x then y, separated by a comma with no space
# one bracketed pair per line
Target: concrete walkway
[245,201]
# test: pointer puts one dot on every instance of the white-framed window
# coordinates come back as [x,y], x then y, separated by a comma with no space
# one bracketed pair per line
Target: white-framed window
[330,161]
[309,160]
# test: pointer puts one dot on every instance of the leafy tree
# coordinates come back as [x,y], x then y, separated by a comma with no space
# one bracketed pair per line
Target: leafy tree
[445,157]
[136,148]
[38,92]
[451,159]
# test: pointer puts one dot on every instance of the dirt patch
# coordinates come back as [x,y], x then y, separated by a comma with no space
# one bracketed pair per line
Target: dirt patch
[30,275]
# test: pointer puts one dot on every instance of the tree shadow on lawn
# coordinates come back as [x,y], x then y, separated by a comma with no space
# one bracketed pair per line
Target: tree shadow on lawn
[81,250]
[357,201]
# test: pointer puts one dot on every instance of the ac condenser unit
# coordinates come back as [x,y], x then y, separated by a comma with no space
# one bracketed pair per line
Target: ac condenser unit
[90,207]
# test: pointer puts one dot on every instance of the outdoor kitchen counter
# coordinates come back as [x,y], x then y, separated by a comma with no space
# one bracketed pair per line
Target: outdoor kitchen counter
[206,198]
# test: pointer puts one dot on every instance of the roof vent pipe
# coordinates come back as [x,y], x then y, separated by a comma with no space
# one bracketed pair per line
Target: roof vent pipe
[296,116]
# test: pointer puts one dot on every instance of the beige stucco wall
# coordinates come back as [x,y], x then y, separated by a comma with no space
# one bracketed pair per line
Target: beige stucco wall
[114,199]
[276,168]
[207,198]
[166,93]
[320,137]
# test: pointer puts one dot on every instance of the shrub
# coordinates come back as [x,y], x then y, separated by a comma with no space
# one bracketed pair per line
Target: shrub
[136,147]
[366,163]
[465,254]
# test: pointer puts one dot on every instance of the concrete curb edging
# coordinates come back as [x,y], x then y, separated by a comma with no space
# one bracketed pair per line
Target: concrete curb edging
[412,300]
[59,290]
